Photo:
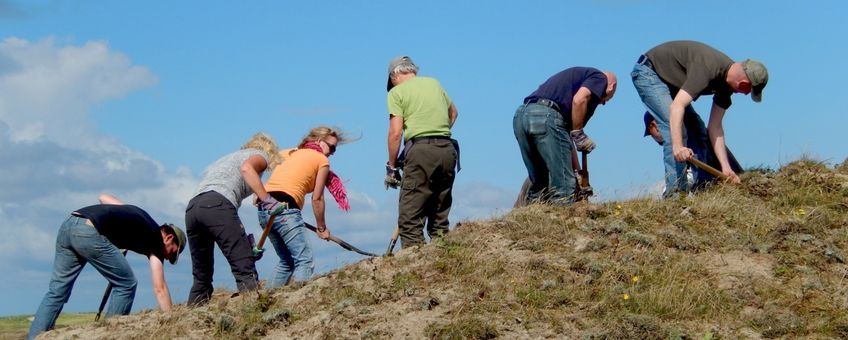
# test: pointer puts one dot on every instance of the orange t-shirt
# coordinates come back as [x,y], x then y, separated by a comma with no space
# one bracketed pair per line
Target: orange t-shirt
[296,175]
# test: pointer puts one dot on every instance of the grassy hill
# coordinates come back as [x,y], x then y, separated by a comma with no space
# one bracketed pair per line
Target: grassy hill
[16,327]
[765,259]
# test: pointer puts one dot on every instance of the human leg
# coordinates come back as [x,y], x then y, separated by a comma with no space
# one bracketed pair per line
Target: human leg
[529,123]
[414,193]
[235,246]
[298,246]
[289,237]
[66,268]
[657,99]
[109,262]
[698,140]
[555,147]
[444,156]
[283,269]
[202,246]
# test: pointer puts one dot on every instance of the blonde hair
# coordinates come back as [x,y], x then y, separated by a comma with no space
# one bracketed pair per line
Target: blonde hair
[321,132]
[265,143]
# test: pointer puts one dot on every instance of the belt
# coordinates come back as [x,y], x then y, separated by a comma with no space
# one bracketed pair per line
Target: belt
[284,198]
[546,102]
[87,221]
[429,139]
[643,60]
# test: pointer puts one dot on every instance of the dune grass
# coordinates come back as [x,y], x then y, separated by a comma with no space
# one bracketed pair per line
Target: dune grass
[764,259]
[16,327]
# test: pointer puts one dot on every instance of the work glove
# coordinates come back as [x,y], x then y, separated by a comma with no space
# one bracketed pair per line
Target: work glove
[392,179]
[582,141]
[271,205]
[257,253]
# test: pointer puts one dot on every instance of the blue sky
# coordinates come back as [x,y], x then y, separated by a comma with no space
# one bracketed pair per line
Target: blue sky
[136,99]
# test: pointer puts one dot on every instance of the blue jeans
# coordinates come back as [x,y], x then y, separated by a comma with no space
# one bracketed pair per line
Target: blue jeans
[288,235]
[77,244]
[656,96]
[546,150]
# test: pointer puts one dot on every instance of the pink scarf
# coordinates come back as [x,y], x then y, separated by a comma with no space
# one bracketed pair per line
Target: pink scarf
[334,183]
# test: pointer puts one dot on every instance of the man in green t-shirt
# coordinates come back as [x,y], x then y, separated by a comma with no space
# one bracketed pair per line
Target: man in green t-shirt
[422,113]
[670,76]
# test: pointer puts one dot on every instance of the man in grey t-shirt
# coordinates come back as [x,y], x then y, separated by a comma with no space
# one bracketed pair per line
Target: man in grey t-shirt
[670,76]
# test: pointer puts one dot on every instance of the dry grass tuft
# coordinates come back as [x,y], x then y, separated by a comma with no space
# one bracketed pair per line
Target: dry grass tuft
[765,259]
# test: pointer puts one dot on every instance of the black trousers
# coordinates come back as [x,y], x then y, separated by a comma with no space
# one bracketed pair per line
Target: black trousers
[210,218]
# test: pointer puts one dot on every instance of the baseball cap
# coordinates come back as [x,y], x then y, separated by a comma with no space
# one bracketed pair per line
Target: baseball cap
[648,119]
[397,61]
[758,75]
[181,241]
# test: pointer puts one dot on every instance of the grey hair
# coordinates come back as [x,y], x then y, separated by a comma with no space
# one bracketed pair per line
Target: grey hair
[404,68]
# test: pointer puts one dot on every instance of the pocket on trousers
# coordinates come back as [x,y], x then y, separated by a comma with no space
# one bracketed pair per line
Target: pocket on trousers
[407,184]
[536,124]
[213,204]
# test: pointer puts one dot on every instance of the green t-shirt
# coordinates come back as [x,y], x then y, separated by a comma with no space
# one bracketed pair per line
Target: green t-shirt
[423,104]
[693,67]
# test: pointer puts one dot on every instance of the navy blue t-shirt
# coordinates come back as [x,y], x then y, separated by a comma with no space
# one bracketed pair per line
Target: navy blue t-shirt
[127,227]
[561,87]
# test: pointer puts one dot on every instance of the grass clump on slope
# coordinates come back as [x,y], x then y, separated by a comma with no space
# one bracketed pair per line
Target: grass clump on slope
[764,259]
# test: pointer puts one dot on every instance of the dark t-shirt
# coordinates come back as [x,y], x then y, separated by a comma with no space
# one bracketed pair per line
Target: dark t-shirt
[694,67]
[561,87]
[127,227]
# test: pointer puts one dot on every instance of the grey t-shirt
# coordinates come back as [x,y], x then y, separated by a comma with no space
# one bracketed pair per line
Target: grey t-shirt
[224,176]
[693,67]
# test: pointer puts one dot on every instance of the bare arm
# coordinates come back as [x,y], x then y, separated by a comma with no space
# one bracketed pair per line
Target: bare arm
[716,132]
[160,287]
[250,170]
[677,109]
[395,134]
[318,202]
[579,107]
[109,199]
[452,115]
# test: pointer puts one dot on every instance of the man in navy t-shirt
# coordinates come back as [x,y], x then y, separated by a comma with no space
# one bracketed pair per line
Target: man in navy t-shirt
[547,123]
[95,234]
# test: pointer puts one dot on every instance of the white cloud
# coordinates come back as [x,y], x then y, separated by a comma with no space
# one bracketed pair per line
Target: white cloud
[53,160]
[479,200]
[47,91]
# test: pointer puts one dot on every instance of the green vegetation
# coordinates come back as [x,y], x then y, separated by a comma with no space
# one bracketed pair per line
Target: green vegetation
[764,259]
[16,327]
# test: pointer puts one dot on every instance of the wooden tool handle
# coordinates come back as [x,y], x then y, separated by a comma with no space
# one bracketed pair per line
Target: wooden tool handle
[707,168]
[265,232]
